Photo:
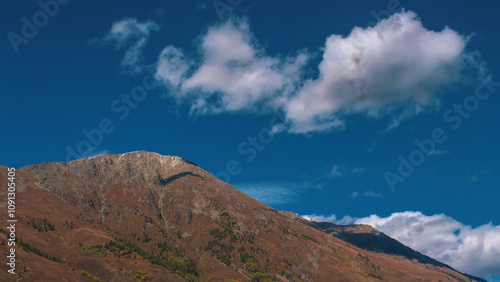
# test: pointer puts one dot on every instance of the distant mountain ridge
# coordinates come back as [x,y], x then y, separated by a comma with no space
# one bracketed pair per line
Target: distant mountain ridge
[144,216]
[370,239]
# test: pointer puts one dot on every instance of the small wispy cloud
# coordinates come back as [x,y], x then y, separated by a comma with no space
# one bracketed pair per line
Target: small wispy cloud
[438,152]
[403,116]
[369,193]
[354,195]
[341,171]
[93,152]
[270,193]
[374,146]
[130,35]
[346,220]
[201,5]
[372,194]
[479,174]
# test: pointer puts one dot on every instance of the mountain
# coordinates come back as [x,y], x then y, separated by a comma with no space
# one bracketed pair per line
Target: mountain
[144,216]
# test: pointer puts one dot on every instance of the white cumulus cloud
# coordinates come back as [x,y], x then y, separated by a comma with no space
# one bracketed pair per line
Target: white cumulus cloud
[471,250]
[233,74]
[396,61]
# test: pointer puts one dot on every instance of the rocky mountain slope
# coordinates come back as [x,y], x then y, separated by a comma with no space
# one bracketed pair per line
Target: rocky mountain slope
[144,216]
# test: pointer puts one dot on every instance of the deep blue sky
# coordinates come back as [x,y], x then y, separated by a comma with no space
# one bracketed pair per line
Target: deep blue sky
[59,84]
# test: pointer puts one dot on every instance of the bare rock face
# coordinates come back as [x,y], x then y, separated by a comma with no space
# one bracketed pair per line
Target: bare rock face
[144,216]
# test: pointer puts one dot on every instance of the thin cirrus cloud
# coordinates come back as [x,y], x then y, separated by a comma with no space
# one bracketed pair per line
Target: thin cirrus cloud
[397,65]
[471,250]
[131,35]
[270,193]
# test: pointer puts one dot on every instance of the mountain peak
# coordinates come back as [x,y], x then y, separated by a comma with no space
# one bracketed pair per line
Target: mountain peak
[137,156]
